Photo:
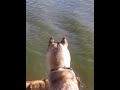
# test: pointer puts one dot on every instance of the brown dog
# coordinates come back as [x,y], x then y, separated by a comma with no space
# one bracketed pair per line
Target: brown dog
[61,76]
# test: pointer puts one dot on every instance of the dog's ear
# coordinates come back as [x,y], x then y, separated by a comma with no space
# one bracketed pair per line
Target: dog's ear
[64,41]
[51,41]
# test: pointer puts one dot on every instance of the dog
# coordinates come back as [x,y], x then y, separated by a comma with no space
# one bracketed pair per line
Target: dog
[61,76]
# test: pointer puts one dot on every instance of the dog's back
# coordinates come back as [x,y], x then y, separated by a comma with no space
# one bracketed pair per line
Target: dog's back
[61,77]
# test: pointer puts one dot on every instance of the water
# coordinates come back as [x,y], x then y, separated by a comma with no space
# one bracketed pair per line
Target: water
[71,18]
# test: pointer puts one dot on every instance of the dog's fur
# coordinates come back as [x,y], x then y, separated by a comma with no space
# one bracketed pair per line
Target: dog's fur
[37,85]
[60,78]
[58,60]
[42,84]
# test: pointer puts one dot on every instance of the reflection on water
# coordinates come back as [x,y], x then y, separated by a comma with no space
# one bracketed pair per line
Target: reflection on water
[58,18]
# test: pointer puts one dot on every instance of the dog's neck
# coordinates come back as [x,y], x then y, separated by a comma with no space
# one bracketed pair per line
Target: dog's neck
[62,68]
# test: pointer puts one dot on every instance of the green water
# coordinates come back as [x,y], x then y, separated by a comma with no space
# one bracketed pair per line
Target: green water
[81,47]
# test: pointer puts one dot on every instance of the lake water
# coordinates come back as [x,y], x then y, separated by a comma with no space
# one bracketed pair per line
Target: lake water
[71,18]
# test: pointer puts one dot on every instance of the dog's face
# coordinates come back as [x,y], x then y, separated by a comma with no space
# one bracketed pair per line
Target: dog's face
[58,55]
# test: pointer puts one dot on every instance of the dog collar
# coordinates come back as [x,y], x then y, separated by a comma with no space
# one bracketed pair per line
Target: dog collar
[63,68]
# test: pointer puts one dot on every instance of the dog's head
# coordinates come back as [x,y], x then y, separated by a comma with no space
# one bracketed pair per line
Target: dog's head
[58,55]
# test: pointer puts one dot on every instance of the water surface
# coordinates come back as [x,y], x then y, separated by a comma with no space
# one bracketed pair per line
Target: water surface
[71,18]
